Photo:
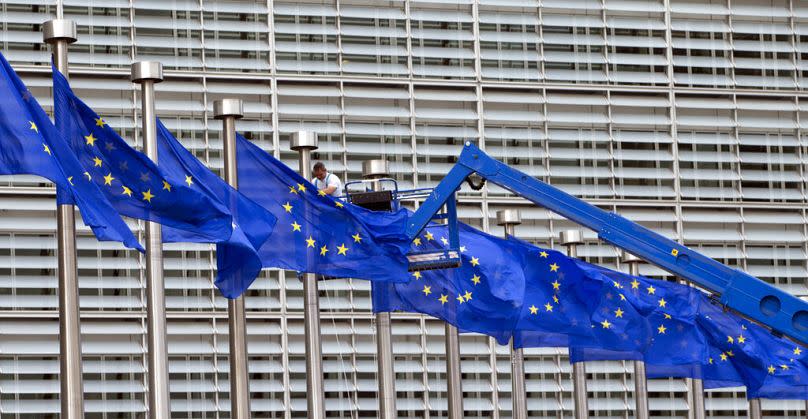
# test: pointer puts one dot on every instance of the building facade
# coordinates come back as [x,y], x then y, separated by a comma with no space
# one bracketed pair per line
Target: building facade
[684,115]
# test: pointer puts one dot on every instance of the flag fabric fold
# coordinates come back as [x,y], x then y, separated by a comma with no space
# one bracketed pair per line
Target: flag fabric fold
[237,259]
[31,144]
[135,185]
[483,295]
[316,233]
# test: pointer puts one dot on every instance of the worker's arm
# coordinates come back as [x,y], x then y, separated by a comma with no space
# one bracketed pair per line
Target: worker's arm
[329,189]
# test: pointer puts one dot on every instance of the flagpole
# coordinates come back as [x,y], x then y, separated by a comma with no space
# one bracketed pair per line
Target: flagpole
[697,398]
[755,411]
[454,386]
[228,110]
[304,142]
[60,33]
[147,73]
[508,219]
[640,380]
[377,169]
[571,239]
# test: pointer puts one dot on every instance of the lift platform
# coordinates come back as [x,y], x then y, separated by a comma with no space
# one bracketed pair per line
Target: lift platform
[737,290]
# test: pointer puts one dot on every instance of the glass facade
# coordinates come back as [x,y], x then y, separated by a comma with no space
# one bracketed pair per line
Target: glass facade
[686,116]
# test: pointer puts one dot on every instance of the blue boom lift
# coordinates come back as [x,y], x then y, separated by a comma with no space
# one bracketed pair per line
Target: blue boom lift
[782,312]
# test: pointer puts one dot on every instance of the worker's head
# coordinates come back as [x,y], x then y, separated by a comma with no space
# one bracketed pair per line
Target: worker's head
[319,170]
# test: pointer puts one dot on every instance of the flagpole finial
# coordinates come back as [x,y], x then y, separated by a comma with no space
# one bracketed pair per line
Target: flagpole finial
[375,169]
[627,257]
[59,30]
[224,108]
[570,237]
[509,217]
[147,71]
[304,140]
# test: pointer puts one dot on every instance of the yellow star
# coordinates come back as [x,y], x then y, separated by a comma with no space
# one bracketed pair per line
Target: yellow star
[474,261]
[323,250]
[710,361]
[90,139]
[467,296]
[548,307]
[784,367]
[730,339]
[675,252]
[555,299]
[427,290]
[292,190]
[310,242]
[189,180]
[662,329]
[635,284]
[618,312]
[543,254]
[556,285]
[797,351]
[444,241]
[46,149]
[99,122]
[88,175]
[301,187]
[357,238]
[33,126]
[416,241]
[417,274]
[321,192]
[126,191]
[70,179]
[475,279]
[338,204]
[741,339]
[662,302]
[460,298]
[553,268]
[166,186]
[443,299]
[651,290]
[730,353]
[605,324]
[287,207]
[342,250]
[534,309]
[295,226]
[147,196]
[429,236]
[771,369]
[667,316]
[97,161]
[462,249]
[108,179]
[622,297]
[617,284]
[723,356]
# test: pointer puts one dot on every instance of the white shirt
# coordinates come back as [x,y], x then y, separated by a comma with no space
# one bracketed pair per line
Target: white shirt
[330,180]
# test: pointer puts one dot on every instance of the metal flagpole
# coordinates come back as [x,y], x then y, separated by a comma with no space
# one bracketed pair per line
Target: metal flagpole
[697,399]
[454,386]
[147,73]
[640,381]
[509,218]
[571,239]
[377,169]
[60,33]
[304,142]
[754,409]
[228,110]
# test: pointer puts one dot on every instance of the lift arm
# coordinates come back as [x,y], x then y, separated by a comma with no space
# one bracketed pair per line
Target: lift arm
[750,296]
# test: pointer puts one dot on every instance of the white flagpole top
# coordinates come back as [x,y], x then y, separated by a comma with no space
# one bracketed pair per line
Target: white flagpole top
[374,169]
[224,108]
[304,140]
[569,237]
[509,217]
[59,30]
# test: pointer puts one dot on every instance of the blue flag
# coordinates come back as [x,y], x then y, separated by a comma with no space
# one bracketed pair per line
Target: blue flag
[316,233]
[483,295]
[134,185]
[238,261]
[30,144]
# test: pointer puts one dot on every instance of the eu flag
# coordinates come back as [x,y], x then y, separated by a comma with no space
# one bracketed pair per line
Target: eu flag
[316,233]
[237,259]
[134,185]
[30,144]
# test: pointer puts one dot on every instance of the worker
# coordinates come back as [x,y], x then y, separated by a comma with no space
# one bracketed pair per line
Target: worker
[329,183]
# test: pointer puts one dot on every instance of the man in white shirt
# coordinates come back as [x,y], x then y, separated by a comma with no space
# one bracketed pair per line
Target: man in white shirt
[326,182]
